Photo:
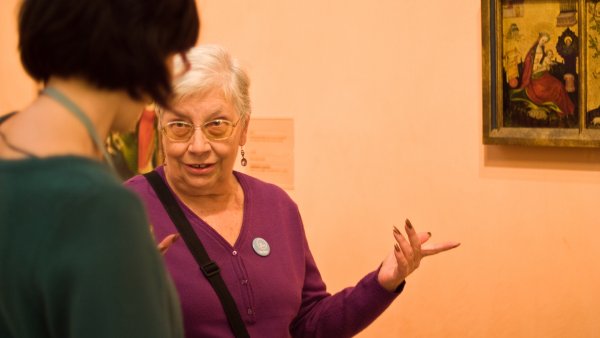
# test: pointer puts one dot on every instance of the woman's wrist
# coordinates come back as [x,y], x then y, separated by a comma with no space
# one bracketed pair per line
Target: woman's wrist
[389,284]
[400,287]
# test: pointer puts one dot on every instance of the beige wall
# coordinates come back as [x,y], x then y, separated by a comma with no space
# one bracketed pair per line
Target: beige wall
[15,87]
[386,97]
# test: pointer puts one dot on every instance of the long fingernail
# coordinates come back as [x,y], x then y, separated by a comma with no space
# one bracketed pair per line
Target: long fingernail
[396,247]
[429,233]
[396,231]
[408,224]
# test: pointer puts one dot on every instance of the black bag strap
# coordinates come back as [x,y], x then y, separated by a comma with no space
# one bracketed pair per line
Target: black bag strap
[6,116]
[209,268]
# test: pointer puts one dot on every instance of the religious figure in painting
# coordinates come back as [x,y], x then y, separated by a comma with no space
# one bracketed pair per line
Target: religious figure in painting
[544,94]
[512,56]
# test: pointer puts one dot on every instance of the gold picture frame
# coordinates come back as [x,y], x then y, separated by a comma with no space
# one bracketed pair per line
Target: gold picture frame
[541,72]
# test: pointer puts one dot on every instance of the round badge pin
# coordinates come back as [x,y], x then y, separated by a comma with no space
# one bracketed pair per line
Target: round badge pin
[261,247]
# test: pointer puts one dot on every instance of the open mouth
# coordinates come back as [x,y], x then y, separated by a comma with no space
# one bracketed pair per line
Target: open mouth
[199,166]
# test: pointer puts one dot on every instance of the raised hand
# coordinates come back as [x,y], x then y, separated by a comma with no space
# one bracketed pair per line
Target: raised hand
[407,255]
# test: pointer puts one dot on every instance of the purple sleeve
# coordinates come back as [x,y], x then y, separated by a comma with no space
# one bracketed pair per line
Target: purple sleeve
[343,314]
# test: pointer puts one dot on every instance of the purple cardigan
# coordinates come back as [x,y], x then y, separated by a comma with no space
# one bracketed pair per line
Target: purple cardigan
[280,295]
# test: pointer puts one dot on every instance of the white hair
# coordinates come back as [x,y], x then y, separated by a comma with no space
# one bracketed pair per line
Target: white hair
[212,67]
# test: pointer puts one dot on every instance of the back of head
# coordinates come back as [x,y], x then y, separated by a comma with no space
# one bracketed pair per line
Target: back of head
[211,67]
[112,44]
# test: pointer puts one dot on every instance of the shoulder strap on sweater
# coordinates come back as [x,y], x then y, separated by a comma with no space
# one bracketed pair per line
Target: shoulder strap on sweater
[209,268]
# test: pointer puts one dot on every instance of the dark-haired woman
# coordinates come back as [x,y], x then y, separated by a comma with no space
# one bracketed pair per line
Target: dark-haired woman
[76,256]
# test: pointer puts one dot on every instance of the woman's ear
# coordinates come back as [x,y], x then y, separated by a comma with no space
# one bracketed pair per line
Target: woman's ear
[244,135]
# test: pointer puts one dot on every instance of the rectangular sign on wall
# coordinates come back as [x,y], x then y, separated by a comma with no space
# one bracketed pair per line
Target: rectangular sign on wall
[269,151]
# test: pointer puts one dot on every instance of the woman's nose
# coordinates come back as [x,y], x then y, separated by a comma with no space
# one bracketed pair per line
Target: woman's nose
[198,143]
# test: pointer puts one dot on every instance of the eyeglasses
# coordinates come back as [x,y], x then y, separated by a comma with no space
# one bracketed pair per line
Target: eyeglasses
[215,130]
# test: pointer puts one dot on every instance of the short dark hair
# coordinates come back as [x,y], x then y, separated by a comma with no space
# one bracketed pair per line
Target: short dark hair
[113,44]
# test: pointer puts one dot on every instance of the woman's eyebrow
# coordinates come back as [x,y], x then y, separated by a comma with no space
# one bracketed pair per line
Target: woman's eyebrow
[218,113]
[177,113]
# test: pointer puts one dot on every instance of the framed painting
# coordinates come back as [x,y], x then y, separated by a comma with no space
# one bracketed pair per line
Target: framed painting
[541,72]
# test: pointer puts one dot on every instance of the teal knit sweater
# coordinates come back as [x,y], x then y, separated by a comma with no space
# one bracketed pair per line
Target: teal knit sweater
[76,255]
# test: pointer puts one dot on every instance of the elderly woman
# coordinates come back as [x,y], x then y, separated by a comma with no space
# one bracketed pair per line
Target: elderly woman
[76,256]
[251,229]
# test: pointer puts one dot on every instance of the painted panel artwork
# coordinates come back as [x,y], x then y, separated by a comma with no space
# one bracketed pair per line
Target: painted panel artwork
[540,64]
[593,65]
[136,152]
[541,72]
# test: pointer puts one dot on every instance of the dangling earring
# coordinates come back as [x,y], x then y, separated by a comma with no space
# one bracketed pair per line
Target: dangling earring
[243,160]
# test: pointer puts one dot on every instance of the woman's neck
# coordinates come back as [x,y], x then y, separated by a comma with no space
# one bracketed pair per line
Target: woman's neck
[227,196]
[100,106]
[47,128]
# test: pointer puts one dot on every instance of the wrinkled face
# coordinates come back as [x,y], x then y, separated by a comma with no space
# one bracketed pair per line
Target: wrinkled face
[200,166]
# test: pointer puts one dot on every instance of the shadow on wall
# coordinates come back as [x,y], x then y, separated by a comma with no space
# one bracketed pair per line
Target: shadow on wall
[577,159]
